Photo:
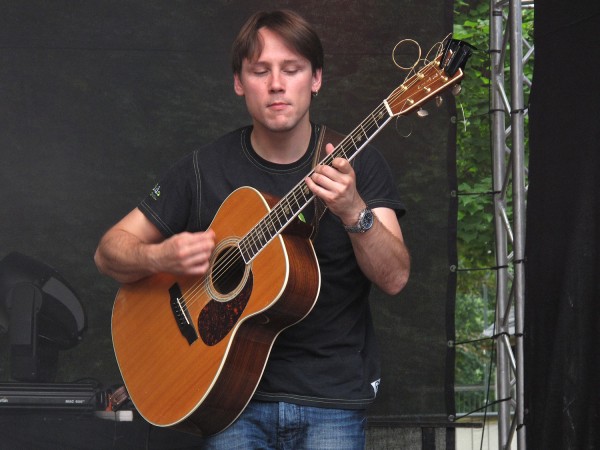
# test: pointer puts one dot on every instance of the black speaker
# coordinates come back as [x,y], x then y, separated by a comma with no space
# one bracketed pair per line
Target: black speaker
[41,313]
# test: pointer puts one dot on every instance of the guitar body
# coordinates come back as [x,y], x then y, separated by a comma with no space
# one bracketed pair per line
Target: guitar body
[192,350]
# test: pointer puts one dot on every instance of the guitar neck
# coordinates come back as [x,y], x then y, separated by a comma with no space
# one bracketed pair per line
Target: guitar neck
[292,204]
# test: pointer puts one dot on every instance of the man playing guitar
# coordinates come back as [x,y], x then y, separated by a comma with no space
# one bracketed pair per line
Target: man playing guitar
[322,372]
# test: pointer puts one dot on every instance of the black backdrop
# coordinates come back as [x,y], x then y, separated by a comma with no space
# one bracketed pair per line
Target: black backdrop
[97,98]
[562,317]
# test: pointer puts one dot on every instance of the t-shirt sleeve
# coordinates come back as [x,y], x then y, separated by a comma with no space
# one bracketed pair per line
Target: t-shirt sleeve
[172,204]
[375,182]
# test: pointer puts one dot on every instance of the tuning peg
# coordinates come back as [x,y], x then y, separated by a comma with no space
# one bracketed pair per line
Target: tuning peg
[456,89]
[422,113]
[438,100]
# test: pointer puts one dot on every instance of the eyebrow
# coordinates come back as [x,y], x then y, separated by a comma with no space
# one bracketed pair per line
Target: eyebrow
[285,62]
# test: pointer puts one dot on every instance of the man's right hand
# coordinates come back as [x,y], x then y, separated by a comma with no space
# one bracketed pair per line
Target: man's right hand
[184,253]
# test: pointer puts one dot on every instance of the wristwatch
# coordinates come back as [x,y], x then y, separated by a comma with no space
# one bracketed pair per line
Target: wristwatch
[365,222]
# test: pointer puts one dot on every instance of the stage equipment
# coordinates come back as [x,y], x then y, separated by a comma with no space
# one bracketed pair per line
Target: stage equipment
[55,396]
[41,313]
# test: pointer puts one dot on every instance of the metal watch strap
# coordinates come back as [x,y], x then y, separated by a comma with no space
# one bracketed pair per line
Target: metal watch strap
[360,227]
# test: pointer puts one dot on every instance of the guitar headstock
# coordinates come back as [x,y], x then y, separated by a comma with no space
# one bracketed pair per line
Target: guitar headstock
[444,72]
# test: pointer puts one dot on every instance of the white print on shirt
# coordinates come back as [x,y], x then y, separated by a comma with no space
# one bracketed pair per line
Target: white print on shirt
[155,192]
[375,385]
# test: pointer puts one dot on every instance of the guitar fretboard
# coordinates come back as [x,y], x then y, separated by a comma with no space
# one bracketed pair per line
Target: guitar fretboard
[291,205]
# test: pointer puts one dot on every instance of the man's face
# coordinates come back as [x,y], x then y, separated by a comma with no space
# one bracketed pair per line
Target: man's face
[277,85]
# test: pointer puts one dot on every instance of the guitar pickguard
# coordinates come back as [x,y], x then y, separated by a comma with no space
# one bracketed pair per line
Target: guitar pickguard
[217,318]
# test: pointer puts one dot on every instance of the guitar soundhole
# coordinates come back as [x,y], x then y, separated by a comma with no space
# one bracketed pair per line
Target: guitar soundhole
[228,271]
[230,289]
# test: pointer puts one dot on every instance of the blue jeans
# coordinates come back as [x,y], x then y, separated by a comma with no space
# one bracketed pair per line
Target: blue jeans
[285,426]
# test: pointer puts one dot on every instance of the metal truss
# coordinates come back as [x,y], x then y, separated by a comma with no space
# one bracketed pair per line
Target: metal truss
[509,53]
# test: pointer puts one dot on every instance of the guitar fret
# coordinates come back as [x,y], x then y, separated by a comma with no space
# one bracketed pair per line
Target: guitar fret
[261,239]
[276,218]
[372,122]
[271,226]
[382,117]
[363,130]
[353,143]
[244,251]
[294,196]
[306,193]
[253,246]
[343,149]
[357,137]
[287,209]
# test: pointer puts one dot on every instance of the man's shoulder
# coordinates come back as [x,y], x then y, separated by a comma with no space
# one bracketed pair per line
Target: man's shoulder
[230,139]
[223,153]
[209,153]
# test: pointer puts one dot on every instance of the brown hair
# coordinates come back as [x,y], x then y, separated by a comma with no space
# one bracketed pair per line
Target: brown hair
[293,29]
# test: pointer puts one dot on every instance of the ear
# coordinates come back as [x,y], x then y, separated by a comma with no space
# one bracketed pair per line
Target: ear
[316,80]
[238,87]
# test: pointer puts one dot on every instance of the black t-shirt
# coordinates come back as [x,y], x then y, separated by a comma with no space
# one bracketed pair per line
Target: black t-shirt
[330,358]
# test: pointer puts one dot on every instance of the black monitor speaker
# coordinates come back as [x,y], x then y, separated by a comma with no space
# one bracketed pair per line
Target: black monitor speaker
[41,314]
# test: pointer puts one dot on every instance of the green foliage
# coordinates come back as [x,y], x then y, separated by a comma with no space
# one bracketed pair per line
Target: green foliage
[471,369]
[474,165]
[475,240]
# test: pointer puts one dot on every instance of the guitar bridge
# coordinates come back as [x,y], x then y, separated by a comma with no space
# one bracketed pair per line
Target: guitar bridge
[182,315]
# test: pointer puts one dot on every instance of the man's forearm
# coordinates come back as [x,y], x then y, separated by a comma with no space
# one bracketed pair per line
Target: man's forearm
[123,256]
[383,257]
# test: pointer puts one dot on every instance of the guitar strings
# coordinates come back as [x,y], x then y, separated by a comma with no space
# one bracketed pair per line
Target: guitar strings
[233,256]
[255,237]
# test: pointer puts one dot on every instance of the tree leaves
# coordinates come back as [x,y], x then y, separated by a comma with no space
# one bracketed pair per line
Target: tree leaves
[475,232]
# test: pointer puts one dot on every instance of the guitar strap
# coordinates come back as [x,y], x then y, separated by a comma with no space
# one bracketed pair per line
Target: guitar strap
[326,136]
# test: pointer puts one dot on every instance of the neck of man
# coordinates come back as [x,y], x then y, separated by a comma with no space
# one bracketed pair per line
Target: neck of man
[281,146]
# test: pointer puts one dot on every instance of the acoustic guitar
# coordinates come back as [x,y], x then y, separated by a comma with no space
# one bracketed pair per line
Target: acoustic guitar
[192,350]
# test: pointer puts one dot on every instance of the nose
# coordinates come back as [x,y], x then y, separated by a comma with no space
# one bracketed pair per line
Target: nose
[276,82]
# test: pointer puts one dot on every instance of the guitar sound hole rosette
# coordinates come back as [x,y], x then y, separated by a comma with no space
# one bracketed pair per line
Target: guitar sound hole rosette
[228,273]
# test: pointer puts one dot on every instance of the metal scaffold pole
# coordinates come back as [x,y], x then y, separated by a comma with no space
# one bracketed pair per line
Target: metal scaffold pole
[507,114]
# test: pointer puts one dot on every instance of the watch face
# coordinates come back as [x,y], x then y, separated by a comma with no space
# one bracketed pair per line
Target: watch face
[366,220]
